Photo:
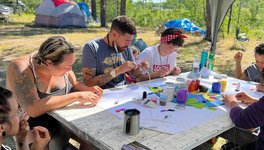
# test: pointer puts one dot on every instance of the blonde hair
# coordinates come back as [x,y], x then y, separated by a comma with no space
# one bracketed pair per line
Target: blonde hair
[54,48]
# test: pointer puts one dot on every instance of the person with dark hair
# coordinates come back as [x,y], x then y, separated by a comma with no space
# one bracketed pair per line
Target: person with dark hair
[253,72]
[162,57]
[13,122]
[44,81]
[107,61]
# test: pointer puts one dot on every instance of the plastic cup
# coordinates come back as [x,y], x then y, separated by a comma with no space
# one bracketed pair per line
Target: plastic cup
[169,90]
[163,99]
[182,96]
[224,84]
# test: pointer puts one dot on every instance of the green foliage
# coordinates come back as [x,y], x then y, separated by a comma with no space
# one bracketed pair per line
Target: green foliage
[148,14]
[31,5]
[250,16]
[153,14]
[112,9]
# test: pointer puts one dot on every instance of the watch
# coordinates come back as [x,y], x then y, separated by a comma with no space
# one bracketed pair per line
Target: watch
[113,73]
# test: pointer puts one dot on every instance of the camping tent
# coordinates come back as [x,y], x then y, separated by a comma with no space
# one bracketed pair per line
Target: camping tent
[59,13]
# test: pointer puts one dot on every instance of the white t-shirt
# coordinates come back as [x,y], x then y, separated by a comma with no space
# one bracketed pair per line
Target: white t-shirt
[155,60]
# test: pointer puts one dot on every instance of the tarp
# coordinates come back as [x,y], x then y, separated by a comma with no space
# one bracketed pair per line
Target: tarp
[185,24]
[218,9]
[84,7]
[66,13]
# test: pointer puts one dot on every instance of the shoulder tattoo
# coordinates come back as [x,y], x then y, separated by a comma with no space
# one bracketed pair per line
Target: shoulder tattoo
[23,87]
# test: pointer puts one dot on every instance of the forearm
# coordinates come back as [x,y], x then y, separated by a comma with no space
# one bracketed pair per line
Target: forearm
[45,105]
[99,80]
[136,73]
[80,87]
[173,73]
[145,77]
[238,70]
[21,145]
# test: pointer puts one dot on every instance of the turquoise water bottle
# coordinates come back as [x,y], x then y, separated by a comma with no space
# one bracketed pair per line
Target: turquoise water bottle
[204,55]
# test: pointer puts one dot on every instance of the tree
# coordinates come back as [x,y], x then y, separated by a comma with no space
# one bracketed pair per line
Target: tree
[103,13]
[123,7]
[93,7]
[239,10]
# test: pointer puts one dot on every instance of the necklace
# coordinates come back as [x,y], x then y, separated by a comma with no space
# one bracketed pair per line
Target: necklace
[121,76]
[110,50]
[159,50]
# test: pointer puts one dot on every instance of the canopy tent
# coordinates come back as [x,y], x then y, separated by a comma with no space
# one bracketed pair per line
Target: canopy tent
[59,13]
[218,10]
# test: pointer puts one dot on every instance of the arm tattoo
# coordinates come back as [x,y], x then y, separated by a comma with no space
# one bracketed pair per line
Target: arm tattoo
[23,87]
[136,73]
[102,79]
[91,78]
[90,72]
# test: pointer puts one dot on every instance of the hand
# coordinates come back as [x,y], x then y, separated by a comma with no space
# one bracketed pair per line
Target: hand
[260,87]
[176,70]
[97,90]
[88,97]
[126,67]
[23,130]
[41,138]
[238,57]
[161,73]
[245,98]
[144,65]
[230,101]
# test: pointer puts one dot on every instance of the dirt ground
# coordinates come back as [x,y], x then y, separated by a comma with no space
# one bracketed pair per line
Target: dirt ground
[20,40]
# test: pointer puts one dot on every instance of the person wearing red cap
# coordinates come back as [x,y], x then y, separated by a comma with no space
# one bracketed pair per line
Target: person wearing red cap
[162,57]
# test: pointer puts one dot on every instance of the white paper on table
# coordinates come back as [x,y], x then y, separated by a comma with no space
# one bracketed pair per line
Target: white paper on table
[245,86]
[123,95]
[176,121]
[169,121]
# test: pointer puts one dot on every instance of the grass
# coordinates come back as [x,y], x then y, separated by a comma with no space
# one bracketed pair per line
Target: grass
[18,37]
